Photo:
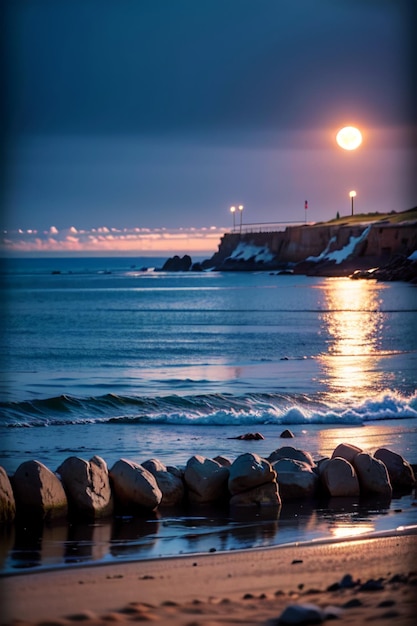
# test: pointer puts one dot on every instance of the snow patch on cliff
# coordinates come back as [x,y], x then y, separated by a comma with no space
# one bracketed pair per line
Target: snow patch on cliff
[340,255]
[245,251]
[413,256]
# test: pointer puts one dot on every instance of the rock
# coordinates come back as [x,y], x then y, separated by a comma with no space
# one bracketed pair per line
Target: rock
[7,501]
[287,434]
[176,471]
[87,486]
[134,486]
[171,486]
[321,463]
[38,491]
[225,462]
[177,264]
[372,585]
[296,479]
[348,582]
[205,479]
[302,614]
[339,478]
[400,267]
[346,451]
[288,452]
[249,437]
[400,472]
[249,471]
[373,475]
[261,496]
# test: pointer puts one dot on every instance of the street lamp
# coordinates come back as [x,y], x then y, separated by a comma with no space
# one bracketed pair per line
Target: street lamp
[240,211]
[233,210]
[352,194]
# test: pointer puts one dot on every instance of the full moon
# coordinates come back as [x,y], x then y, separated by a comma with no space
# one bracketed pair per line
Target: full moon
[349,138]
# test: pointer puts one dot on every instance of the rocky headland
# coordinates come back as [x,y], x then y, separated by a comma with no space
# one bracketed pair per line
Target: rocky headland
[375,246]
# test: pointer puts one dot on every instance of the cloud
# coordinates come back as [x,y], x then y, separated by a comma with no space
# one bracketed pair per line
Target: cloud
[112,240]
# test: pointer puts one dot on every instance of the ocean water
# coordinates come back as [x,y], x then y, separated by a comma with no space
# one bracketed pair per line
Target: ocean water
[108,356]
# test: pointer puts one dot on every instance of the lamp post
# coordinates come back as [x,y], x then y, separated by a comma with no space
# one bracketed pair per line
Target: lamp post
[241,212]
[233,211]
[352,194]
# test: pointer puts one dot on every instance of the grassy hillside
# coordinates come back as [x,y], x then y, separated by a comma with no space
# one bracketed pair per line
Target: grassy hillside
[392,218]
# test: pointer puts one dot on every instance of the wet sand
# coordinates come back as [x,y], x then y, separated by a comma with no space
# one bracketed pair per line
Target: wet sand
[357,581]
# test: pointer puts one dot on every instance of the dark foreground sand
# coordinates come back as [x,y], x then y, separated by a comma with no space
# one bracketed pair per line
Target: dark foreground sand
[247,587]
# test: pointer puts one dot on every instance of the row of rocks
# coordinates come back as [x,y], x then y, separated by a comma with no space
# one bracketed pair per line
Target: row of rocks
[88,488]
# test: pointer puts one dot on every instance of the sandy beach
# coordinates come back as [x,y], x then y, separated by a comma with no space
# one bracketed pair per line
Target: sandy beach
[357,581]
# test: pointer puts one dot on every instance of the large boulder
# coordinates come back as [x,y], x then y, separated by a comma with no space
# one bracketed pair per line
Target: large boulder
[176,471]
[7,501]
[296,479]
[373,475]
[38,491]
[87,486]
[266,495]
[134,486]
[170,484]
[288,452]
[339,478]
[205,479]
[346,451]
[400,472]
[248,471]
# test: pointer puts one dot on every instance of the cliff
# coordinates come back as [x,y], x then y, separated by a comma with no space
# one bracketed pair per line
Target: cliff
[326,249]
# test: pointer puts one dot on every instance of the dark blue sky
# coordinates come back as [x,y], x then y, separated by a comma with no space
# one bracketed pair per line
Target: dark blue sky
[160,113]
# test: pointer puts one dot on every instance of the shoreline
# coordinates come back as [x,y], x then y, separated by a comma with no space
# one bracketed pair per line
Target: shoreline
[245,586]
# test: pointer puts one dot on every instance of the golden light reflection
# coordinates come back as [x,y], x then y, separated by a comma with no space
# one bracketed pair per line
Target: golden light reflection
[341,530]
[353,325]
[368,439]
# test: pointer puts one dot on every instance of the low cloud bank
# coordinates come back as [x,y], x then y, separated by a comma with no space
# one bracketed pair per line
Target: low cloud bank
[110,240]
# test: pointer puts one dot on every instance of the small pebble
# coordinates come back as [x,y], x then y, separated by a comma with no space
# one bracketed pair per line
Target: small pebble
[84,616]
[112,617]
[372,585]
[351,604]
[386,603]
[302,614]
[347,582]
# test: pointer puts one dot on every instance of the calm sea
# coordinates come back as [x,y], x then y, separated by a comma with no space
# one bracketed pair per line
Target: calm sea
[109,356]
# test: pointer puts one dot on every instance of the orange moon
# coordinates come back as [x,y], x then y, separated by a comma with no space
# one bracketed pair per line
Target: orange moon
[349,138]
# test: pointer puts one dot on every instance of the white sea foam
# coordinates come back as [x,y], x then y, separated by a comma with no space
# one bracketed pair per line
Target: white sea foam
[251,409]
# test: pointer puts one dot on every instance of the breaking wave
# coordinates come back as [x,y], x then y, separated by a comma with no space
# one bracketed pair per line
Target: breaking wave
[207,409]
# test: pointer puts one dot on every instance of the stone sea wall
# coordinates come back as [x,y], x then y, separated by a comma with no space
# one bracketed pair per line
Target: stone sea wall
[312,249]
[324,249]
[88,489]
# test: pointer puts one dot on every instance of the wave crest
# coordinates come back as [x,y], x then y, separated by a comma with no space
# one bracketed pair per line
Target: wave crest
[215,409]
